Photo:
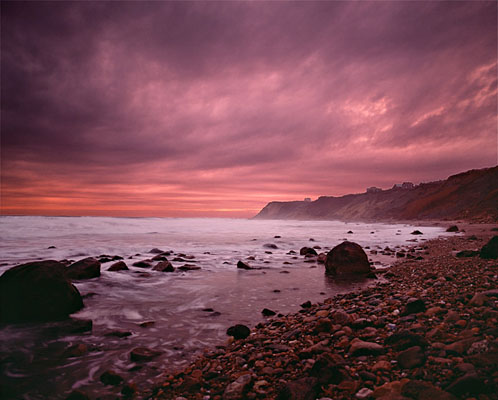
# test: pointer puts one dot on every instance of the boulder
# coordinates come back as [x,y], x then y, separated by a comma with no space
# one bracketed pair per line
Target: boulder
[119,266]
[37,291]
[84,269]
[238,331]
[347,258]
[307,250]
[164,266]
[490,249]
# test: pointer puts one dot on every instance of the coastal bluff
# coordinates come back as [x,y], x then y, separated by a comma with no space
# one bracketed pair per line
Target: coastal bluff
[471,195]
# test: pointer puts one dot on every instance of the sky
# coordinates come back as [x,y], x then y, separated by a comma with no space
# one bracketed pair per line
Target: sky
[188,109]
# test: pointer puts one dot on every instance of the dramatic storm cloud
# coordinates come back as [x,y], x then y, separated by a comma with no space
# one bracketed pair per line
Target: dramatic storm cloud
[195,108]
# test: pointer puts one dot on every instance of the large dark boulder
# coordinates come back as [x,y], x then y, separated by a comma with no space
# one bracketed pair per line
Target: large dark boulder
[37,291]
[347,258]
[84,269]
[490,249]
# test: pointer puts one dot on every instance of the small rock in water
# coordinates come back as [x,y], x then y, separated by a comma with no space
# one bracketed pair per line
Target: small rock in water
[267,312]
[110,377]
[147,324]
[189,267]
[306,304]
[270,245]
[51,247]
[155,250]
[416,232]
[243,265]
[119,266]
[143,354]
[84,269]
[164,266]
[142,264]
[307,250]
[118,333]
[452,228]
[238,331]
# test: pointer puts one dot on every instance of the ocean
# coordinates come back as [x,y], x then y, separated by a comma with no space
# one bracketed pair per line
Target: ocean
[186,312]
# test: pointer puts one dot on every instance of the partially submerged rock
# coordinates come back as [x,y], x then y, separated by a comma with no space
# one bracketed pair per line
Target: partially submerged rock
[347,258]
[37,291]
[119,266]
[87,268]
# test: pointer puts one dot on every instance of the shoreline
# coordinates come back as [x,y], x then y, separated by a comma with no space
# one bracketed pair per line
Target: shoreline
[368,344]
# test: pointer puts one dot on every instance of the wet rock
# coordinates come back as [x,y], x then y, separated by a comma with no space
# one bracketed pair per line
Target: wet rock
[119,266]
[87,268]
[411,357]
[76,350]
[110,377]
[270,246]
[189,267]
[301,389]
[413,306]
[155,250]
[118,333]
[159,257]
[360,348]
[238,331]
[452,228]
[147,324]
[468,384]
[307,250]
[421,390]
[490,249]
[164,266]
[38,291]
[478,300]
[243,265]
[306,304]
[237,389]
[404,339]
[142,264]
[267,312]
[467,253]
[77,395]
[347,258]
[143,354]
[322,258]
[416,232]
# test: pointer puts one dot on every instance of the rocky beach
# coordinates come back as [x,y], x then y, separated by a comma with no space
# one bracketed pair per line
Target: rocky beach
[428,330]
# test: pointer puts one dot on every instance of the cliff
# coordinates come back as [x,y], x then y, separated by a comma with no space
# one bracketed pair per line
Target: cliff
[471,195]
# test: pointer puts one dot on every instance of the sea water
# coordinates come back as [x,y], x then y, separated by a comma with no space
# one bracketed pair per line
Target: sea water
[188,311]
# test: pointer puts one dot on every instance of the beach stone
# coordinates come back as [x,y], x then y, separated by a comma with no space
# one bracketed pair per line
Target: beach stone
[243,265]
[363,394]
[411,357]
[323,325]
[340,317]
[270,246]
[143,354]
[328,369]
[322,258]
[142,264]
[452,228]
[347,258]
[470,383]
[164,266]
[414,306]
[37,291]
[307,250]
[416,232]
[267,312]
[422,390]
[84,269]
[381,366]
[467,253]
[110,377]
[189,267]
[360,348]
[155,250]
[404,339]
[77,395]
[301,389]
[238,331]
[119,266]
[236,389]
[490,249]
